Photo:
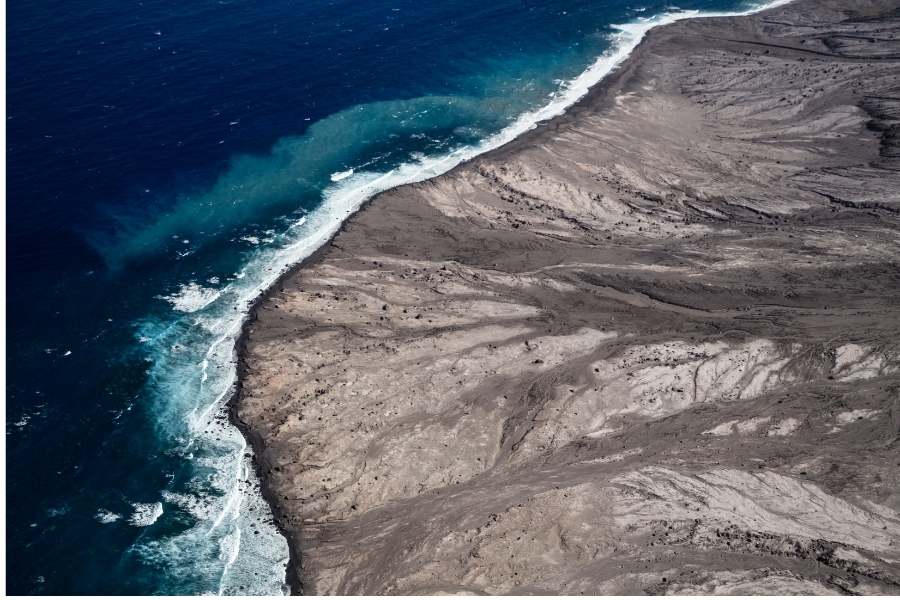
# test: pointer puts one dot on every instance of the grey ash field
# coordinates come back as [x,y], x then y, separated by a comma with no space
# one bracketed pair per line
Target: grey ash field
[652,346]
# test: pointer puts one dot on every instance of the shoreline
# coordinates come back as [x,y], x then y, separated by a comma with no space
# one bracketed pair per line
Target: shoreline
[586,105]
[585,102]
[293,581]
[254,440]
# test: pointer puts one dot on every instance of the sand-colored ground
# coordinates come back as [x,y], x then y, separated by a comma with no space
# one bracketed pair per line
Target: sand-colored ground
[653,346]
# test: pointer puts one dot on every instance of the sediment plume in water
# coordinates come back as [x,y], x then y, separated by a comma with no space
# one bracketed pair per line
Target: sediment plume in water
[646,347]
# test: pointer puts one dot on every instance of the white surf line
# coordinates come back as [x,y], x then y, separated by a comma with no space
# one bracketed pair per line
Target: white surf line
[575,89]
[347,195]
[235,500]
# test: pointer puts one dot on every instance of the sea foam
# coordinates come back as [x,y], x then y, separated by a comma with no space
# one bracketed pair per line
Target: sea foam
[193,387]
[191,297]
[105,516]
[145,514]
[335,177]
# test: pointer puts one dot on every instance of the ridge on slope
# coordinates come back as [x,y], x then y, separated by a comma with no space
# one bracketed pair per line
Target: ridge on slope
[648,347]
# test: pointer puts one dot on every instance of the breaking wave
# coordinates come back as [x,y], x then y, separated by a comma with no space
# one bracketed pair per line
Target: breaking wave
[145,514]
[229,542]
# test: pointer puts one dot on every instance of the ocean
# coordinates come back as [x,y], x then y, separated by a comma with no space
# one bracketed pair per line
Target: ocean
[166,162]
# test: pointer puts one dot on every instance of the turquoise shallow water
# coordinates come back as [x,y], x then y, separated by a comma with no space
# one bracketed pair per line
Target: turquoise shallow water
[166,163]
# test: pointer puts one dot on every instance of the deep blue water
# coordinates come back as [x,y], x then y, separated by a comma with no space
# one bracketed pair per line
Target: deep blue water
[165,160]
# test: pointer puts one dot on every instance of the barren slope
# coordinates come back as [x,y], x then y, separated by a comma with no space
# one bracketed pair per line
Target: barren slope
[653,346]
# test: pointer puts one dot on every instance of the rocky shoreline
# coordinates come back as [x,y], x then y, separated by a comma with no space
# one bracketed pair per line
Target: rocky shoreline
[648,347]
